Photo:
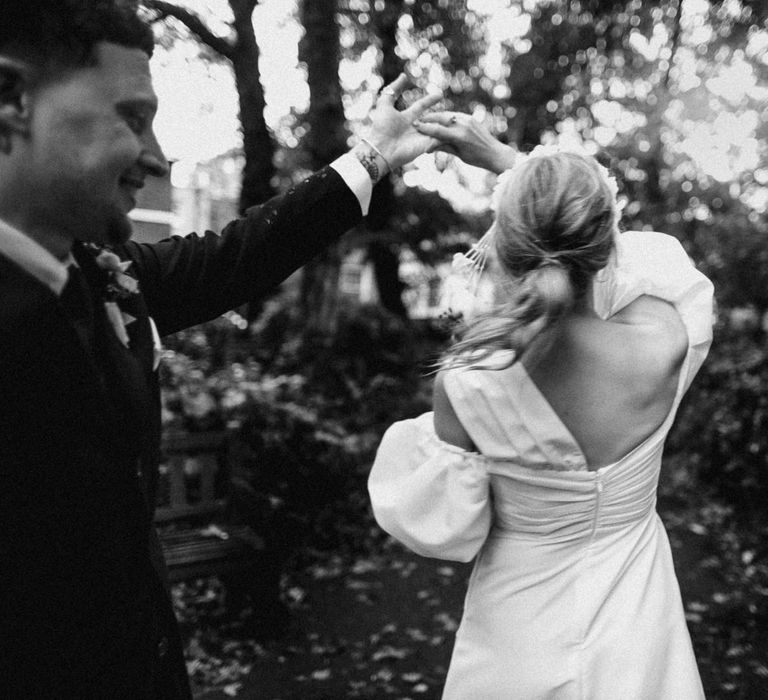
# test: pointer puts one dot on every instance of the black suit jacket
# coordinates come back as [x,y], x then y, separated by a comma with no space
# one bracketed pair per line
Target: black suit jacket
[83,610]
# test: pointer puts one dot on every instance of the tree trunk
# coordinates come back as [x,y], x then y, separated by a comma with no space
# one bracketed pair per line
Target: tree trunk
[258,145]
[243,54]
[385,258]
[325,140]
[319,49]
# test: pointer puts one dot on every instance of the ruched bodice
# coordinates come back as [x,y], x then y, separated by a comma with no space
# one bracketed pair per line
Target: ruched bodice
[574,505]
[574,594]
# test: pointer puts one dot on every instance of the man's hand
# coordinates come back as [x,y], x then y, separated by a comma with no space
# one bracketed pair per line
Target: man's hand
[391,139]
[468,139]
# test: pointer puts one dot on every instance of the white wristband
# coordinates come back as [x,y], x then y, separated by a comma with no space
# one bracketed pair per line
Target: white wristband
[379,153]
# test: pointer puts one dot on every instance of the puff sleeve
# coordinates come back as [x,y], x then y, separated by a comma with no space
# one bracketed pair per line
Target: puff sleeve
[648,262]
[430,495]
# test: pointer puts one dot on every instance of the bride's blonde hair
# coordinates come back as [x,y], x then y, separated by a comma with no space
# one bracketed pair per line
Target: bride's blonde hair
[555,227]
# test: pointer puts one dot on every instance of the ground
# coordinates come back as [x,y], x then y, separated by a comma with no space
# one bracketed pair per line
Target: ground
[382,625]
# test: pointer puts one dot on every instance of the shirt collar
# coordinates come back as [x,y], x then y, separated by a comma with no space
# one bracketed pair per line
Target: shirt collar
[35,260]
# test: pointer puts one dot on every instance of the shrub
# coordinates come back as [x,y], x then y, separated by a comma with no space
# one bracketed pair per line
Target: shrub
[307,415]
[722,426]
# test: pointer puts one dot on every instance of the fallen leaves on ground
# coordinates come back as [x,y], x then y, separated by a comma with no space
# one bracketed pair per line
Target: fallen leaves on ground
[381,623]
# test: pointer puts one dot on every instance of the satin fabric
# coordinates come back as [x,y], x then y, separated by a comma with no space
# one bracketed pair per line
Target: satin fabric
[573,594]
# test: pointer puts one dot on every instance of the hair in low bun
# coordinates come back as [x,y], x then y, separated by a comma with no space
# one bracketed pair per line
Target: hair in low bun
[555,226]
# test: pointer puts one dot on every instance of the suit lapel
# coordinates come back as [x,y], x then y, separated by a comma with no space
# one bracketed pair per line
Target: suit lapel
[27,303]
[35,328]
[141,343]
[127,370]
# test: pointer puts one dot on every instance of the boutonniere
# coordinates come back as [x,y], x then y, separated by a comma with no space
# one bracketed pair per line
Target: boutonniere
[118,286]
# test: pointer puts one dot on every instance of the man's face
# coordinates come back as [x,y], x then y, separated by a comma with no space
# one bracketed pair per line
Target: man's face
[91,146]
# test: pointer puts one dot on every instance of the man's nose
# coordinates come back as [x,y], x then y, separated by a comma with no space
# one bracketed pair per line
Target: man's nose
[153,158]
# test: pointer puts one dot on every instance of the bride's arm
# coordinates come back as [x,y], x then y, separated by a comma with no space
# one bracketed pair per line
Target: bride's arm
[430,495]
[447,425]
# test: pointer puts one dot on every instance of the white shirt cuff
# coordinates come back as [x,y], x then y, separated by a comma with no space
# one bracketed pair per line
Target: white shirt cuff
[356,178]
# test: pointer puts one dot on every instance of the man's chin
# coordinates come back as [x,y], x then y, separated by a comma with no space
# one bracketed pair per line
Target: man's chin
[116,231]
[119,230]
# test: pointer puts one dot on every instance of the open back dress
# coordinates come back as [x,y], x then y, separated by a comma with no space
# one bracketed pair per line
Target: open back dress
[573,593]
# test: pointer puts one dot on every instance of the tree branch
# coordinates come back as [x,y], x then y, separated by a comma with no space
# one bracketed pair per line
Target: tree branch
[243,8]
[192,22]
[675,42]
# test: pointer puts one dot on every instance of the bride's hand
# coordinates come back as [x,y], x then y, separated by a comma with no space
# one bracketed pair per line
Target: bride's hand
[392,131]
[467,138]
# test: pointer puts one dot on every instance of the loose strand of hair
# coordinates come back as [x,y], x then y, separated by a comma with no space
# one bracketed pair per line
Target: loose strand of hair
[512,324]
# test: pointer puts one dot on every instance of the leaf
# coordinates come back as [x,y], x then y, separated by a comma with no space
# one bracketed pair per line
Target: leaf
[447,622]
[214,531]
[364,566]
[411,677]
[416,634]
[355,585]
[390,652]
[295,594]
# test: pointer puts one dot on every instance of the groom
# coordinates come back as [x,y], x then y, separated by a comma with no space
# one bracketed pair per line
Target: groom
[83,610]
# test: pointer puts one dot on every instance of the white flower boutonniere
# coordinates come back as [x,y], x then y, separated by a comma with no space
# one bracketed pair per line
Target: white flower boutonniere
[118,286]
[120,294]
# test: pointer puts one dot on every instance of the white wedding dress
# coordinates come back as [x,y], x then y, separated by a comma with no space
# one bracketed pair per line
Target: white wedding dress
[573,593]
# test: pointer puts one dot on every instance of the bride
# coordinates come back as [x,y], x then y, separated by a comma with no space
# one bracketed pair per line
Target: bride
[541,457]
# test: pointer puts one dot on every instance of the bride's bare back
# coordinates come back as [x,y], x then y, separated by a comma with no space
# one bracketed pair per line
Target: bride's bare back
[611,382]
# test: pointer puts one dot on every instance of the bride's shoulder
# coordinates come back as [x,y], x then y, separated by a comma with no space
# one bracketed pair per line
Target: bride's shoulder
[654,321]
[646,338]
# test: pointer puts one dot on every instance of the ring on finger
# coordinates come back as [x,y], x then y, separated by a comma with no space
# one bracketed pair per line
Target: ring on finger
[452,120]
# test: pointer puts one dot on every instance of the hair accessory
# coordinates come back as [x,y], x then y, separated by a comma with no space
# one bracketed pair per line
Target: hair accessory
[549,149]
[464,291]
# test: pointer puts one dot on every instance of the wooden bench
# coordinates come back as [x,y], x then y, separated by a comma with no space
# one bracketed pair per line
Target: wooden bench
[194,491]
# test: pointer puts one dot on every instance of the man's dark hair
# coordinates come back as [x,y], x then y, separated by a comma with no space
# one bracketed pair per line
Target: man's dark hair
[59,35]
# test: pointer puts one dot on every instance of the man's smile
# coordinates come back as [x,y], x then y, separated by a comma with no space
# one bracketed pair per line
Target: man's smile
[131,185]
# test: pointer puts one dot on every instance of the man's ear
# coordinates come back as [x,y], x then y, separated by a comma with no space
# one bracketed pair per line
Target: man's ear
[14,100]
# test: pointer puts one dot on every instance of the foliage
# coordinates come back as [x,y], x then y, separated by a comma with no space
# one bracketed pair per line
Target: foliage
[307,413]
[673,94]
[722,426]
